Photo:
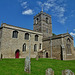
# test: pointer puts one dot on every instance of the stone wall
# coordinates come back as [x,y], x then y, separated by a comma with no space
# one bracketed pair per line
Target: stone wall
[56,48]
[0,37]
[10,45]
[0,33]
[40,54]
[56,43]
[47,47]
[56,52]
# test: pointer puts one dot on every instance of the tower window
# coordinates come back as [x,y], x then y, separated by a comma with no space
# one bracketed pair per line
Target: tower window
[26,36]
[15,34]
[46,20]
[68,40]
[24,47]
[36,37]
[37,20]
[35,47]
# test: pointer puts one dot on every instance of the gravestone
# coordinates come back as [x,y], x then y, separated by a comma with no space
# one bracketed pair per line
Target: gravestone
[49,71]
[67,72]
[37,56]
[27,65]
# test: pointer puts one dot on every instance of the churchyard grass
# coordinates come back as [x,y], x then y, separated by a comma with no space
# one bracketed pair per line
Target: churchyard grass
[16,66]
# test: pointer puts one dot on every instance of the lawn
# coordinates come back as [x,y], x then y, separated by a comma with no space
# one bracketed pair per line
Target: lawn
[16,66]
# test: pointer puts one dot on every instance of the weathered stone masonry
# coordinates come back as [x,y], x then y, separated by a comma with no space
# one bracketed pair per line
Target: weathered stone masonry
[9,45]
[40,40]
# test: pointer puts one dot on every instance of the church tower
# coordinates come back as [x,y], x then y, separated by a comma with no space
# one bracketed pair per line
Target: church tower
[43,24]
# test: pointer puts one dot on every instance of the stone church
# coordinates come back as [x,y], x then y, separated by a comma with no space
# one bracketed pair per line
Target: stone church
[17,42]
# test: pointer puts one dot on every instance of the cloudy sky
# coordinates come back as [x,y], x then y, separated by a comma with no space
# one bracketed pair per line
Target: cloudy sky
[21,12]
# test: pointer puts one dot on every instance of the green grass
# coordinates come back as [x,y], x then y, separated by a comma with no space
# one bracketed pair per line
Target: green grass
[16,66]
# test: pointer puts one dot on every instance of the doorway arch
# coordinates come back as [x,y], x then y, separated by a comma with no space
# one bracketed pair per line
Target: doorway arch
[47,55]
[17,52]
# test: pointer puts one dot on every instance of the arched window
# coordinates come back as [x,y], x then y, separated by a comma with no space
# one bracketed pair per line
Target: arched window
[37,20]
[26,36]
[68,49]
[24,47]
[68,46]
[35,47]
[68,40]
[46,20]
[40,46]
[15,34]
[36,37]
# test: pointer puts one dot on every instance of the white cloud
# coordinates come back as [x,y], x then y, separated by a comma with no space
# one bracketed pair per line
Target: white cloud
[24,4]
[72,13]
[27,12]
[73,29]
[40,3]
[62,20]
[73,34]
[56,7]
[52,1]
[48,6]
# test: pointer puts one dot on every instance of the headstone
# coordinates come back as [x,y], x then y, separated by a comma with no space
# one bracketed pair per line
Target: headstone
[37,56]
[67,72]
[49,71]
[27,65]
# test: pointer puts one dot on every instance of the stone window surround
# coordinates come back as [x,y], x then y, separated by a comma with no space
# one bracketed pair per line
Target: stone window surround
[46,20]
[24,47]
[15,34]
[35,47]
[36,37]
[26,36]
[69,51]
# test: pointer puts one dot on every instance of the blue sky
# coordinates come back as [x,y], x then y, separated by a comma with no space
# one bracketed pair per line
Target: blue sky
[21,12]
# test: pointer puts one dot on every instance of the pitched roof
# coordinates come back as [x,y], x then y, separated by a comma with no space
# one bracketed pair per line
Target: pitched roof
[58,36]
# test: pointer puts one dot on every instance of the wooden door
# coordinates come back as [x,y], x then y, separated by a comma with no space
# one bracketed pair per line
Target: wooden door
[17,54]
